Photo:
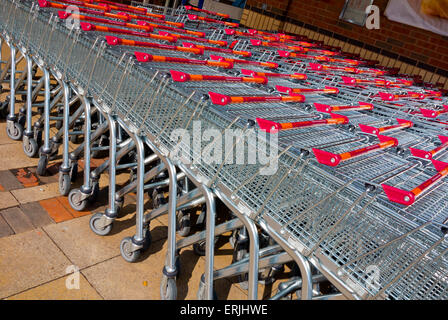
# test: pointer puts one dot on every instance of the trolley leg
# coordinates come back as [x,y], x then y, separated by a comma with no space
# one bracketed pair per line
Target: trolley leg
[45,150]
[30,146]
[101,224]
[168,289]
[64,169]
[13,128]
[210,241]
[78,197]
[132,247]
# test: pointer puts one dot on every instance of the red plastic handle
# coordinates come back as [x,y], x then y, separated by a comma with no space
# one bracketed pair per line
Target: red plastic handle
[327,108]
[271,65]
[207,48]
[430,154]
[298,76]
[433,113]
[179,76]
[402,124]
[408,198]
[271,126]
[328,90]
[334,159]
[145,57]
[118,41]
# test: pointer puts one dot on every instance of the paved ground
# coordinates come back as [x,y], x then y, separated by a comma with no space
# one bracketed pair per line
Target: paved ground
[42,240]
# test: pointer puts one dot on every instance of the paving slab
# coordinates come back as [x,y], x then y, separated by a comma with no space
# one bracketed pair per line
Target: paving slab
[9,181]
[55,210]
[142,278]
[18,221]
[37,215]
[27,260]
[14,158]
[57,290]
[7,200]
[85,248]
[4,139]
[36,193]
[5,229]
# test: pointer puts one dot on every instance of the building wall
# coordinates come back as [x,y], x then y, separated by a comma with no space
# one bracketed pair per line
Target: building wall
[413,50]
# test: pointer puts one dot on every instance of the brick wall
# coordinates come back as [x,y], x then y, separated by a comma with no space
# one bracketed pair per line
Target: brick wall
[413,46]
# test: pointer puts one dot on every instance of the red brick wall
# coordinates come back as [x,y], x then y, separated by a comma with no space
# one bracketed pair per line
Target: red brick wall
[417,44]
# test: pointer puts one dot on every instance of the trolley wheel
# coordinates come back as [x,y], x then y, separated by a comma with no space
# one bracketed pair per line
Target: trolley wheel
[42,165]
[183,223]
[119,204]
[74,138]
[125,250]
[94,225]
[199,247]
[30,147]
[168,288]
[75,201]
[38,137]
[16,132]
[201,292]
[158,198]
[95,191]
[21,119]
[74,172]
[238,254]
[64,184]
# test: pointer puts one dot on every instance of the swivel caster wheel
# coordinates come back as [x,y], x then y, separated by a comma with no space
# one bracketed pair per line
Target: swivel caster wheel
[168,288]
[126,250]
[201,292]
[30,147]
[183,223]
[199,247]
[76,201]
[42,165]
[64,184]
[95,191]
[73,172]
[15,132]
[97,228]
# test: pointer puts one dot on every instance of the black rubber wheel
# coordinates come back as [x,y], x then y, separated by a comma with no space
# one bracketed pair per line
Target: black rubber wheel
[126,250]
[30,147]
[168,288]
[94,225]
[64,184]
[42,165]
[16,132]
[75,201]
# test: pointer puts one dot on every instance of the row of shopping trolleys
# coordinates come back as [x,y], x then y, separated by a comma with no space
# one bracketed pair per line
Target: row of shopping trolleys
[264,109]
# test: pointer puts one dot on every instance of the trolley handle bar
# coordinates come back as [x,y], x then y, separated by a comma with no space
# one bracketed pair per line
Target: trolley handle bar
[113,41]
[334,159]
[191,38]
[430,154]
[328,90]
[179,76]
[241,53]
[145,57]
[408,198]
[273,127]
[271,65]
[328,108]
[402,124]
[221,99]
[298,76]
[433,113]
